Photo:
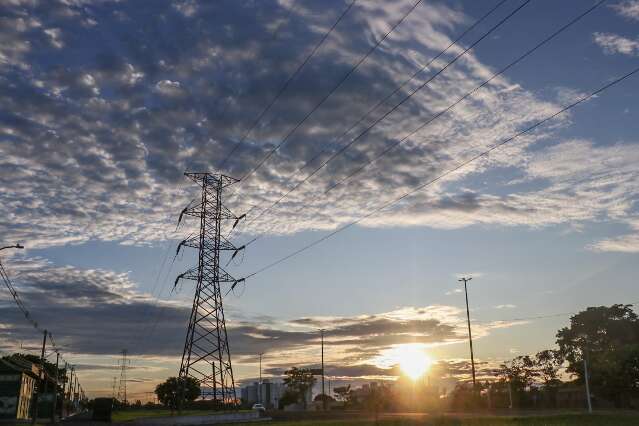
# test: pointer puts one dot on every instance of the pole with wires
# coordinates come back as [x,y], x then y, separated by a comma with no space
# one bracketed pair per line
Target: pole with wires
[587,380]
[206,343]
[41,374]
[55,390]
[470,335]
[323,393]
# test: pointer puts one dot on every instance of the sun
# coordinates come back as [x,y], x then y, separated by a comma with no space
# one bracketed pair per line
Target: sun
[413,361]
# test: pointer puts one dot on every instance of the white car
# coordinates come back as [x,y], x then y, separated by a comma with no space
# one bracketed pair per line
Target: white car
[258,407]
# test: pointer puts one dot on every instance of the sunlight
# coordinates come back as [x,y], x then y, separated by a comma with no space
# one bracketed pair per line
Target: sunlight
[413,361]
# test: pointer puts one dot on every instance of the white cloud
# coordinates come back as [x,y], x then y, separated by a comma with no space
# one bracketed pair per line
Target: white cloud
[628,8]
[506,306]
[168,87]
[111,168]
[613,43]
[55,37]
[623,244]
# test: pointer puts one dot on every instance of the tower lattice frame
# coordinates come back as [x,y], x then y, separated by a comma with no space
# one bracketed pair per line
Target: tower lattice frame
[206,356]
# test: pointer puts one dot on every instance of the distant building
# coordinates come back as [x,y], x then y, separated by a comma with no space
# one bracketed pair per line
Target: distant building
[17,385]
[268,393]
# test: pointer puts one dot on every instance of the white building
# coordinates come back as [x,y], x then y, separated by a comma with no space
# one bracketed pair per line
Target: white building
[267,394]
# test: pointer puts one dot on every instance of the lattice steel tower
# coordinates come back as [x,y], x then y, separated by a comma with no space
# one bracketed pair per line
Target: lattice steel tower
[206,355]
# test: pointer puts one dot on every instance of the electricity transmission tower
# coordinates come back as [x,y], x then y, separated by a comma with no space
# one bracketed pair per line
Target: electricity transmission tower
[122,387]
[206,355]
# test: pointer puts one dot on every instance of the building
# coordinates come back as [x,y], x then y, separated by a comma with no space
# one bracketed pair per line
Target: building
[268,394]
[17,385]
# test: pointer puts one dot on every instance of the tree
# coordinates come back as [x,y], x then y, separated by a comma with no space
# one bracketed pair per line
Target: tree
[608,338]
[298,381]
[520,373]
[169,392]
[548,363]
[376,398]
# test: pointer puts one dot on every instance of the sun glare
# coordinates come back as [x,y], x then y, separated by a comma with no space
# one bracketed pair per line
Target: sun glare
[413,361]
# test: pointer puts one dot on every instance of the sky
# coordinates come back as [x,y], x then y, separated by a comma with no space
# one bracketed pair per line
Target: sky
[105,104]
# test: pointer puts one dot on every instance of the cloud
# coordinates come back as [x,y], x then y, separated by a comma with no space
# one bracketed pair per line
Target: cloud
[506,306]
[95,313]
[628,9]
[625,243]
[613,43]
[169,88]
[109,151]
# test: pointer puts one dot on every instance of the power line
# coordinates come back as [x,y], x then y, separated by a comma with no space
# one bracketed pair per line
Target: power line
[394,108]
[536,317]
[274,36]
[448,172]
[287,83]
[370,111]
[27,315]
[333,90]
[441,113]
[467,95]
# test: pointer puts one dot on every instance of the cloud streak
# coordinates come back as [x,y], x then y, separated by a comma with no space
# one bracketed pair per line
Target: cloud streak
[95,313]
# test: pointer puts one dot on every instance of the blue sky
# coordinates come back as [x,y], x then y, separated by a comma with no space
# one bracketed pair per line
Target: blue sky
[106,104]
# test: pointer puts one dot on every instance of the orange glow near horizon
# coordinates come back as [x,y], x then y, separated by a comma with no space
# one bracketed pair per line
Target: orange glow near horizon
[412,359]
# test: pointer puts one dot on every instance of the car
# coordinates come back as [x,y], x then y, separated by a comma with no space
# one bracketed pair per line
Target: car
[258,407]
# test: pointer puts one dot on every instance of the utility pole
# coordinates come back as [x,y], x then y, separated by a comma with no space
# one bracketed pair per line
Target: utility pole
[122,388]
[470,335]
[115,379]
[64,389]
[72,386]
[55,389]
[70,383]
[586,379]
[323,394]
[206,337]
[259,386]
[40,375]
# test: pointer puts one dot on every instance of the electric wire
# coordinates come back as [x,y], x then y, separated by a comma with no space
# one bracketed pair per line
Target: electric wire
[450,107]
[275,34]
[466,96]
[406,97]
[287,83]
[333,90]
[27,315]
[449,171]
[367,114]
[536,317]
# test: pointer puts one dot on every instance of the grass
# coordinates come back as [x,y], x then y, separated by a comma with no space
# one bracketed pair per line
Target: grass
[132,414]
[558,420]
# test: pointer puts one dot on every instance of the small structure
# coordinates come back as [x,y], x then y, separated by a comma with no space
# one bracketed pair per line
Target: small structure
[18,378]
[102,409]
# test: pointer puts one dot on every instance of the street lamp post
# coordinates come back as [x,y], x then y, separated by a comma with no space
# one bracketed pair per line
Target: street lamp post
[323,394]
[259,385]
[470,335]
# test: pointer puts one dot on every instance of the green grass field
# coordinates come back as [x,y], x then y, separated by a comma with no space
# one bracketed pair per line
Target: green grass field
[559,420]
[128,415]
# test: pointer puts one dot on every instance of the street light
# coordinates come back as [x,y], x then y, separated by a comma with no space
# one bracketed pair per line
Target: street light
[259,386]
[321,330]
[470,335]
